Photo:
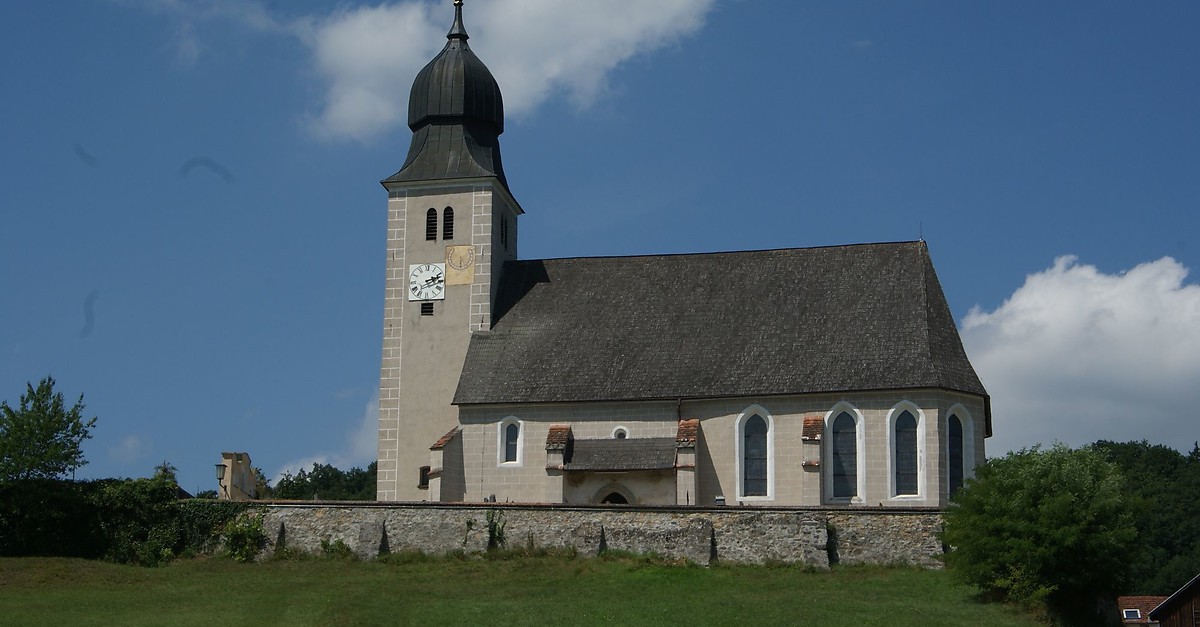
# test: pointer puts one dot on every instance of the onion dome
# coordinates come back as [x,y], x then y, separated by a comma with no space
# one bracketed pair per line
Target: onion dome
[456,113]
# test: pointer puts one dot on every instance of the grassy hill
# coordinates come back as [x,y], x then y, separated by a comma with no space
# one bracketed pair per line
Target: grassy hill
[417,590]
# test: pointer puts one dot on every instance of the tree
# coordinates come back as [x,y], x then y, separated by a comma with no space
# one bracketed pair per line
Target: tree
[1168,488]
[328,483]
[1044,526]
[41,438]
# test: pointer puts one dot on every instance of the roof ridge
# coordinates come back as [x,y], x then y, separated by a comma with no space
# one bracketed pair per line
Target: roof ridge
[726,252]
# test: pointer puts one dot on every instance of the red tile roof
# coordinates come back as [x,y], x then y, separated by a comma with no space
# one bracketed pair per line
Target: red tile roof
[1143,604]
[812,428]
[558,437]
[689,429]
[445,439]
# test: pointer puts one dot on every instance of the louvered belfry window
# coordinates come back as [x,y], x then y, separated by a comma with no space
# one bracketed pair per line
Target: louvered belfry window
[956,454]
[754,457]
[448,223]
[906,454]
[844,468]
[431,225]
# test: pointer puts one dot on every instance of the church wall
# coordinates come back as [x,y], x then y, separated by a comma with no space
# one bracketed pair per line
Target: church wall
[646,488]
[525,481]
[797,476]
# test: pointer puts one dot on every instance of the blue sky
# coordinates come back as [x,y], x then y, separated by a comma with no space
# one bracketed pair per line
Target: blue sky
[193,228]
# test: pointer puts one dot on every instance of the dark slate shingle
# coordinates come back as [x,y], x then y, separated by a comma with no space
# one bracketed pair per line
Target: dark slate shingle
[757,323]
[613,454]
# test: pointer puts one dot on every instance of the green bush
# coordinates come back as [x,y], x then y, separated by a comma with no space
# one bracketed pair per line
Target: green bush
[130,521]
[1052,527]
[244,537]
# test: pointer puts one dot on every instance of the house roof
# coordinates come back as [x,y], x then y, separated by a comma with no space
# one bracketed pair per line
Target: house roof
[758,323]
[615,454]
[688,432]
[1143,604]
[1189,589]
[446,439]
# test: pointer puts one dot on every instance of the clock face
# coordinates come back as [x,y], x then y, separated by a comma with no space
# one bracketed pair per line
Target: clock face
[427,281]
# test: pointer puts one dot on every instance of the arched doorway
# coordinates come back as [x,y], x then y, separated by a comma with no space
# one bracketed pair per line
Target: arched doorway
[613,494]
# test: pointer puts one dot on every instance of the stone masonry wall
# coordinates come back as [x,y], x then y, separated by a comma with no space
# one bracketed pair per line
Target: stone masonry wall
[699,535]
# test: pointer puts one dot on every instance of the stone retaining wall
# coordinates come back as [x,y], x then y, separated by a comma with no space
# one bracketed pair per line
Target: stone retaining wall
[700,535]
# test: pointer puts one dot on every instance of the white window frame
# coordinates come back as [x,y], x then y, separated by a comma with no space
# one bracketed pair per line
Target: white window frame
[893,415]
[500,442]
[860,453]
[738,434]
[968,427]
[618,429]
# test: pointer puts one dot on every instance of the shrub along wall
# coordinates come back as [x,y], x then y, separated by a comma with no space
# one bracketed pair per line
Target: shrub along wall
[816,537]
[135,521]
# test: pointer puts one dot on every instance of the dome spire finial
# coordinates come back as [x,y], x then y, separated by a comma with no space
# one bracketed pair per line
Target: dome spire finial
[458,31]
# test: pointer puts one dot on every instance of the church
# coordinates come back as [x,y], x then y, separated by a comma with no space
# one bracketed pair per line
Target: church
[830,376]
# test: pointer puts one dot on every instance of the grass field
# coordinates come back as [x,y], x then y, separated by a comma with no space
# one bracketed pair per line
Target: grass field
[414,590]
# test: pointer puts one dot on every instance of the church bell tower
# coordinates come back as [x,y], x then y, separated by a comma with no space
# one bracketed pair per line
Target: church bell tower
[452,222]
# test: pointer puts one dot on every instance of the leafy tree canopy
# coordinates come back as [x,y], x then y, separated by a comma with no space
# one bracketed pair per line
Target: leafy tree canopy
[328,483]
[1044,526]
[41,438]
[1166,484]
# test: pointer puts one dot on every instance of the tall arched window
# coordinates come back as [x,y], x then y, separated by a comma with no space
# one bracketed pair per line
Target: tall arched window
[509,439]
[955,446]
[512,433]
[754,457]
[754,454]
[431,224]
[844,462]
[904,450]
[448,223]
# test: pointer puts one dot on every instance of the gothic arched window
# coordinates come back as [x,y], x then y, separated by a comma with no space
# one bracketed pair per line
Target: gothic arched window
[448,223]
[955,446]
[844,448]
[904,449]
[754,456]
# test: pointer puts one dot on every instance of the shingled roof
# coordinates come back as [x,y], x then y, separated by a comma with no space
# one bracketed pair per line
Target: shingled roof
[616,454]
[737,324]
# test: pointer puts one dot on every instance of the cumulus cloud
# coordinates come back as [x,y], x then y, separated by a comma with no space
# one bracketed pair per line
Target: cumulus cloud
[1077,355]
[366,56]
[358,450]
[535,49]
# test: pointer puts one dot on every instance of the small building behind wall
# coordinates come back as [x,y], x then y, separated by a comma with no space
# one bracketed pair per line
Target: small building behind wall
[236,477]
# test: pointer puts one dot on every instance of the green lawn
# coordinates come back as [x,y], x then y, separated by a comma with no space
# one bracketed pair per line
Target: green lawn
[527,590]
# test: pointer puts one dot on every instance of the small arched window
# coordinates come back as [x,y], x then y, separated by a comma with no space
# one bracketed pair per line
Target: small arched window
[754,457]
[955,446]
[448,223]
[504,232]
[431,225]
[512,434]
[905,451]
[844,446]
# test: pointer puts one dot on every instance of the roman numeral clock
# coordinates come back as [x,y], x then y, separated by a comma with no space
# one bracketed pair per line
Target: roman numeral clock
[427,281]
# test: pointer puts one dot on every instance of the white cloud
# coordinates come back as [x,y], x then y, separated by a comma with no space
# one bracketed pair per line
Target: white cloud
[367,56]
[130,449]
[535,48]
[1076,355]
[359,449]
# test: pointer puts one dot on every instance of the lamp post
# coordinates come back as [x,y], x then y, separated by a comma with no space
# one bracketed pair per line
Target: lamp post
[221,479]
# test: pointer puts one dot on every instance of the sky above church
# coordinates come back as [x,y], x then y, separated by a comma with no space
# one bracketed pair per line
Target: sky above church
[193,228]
